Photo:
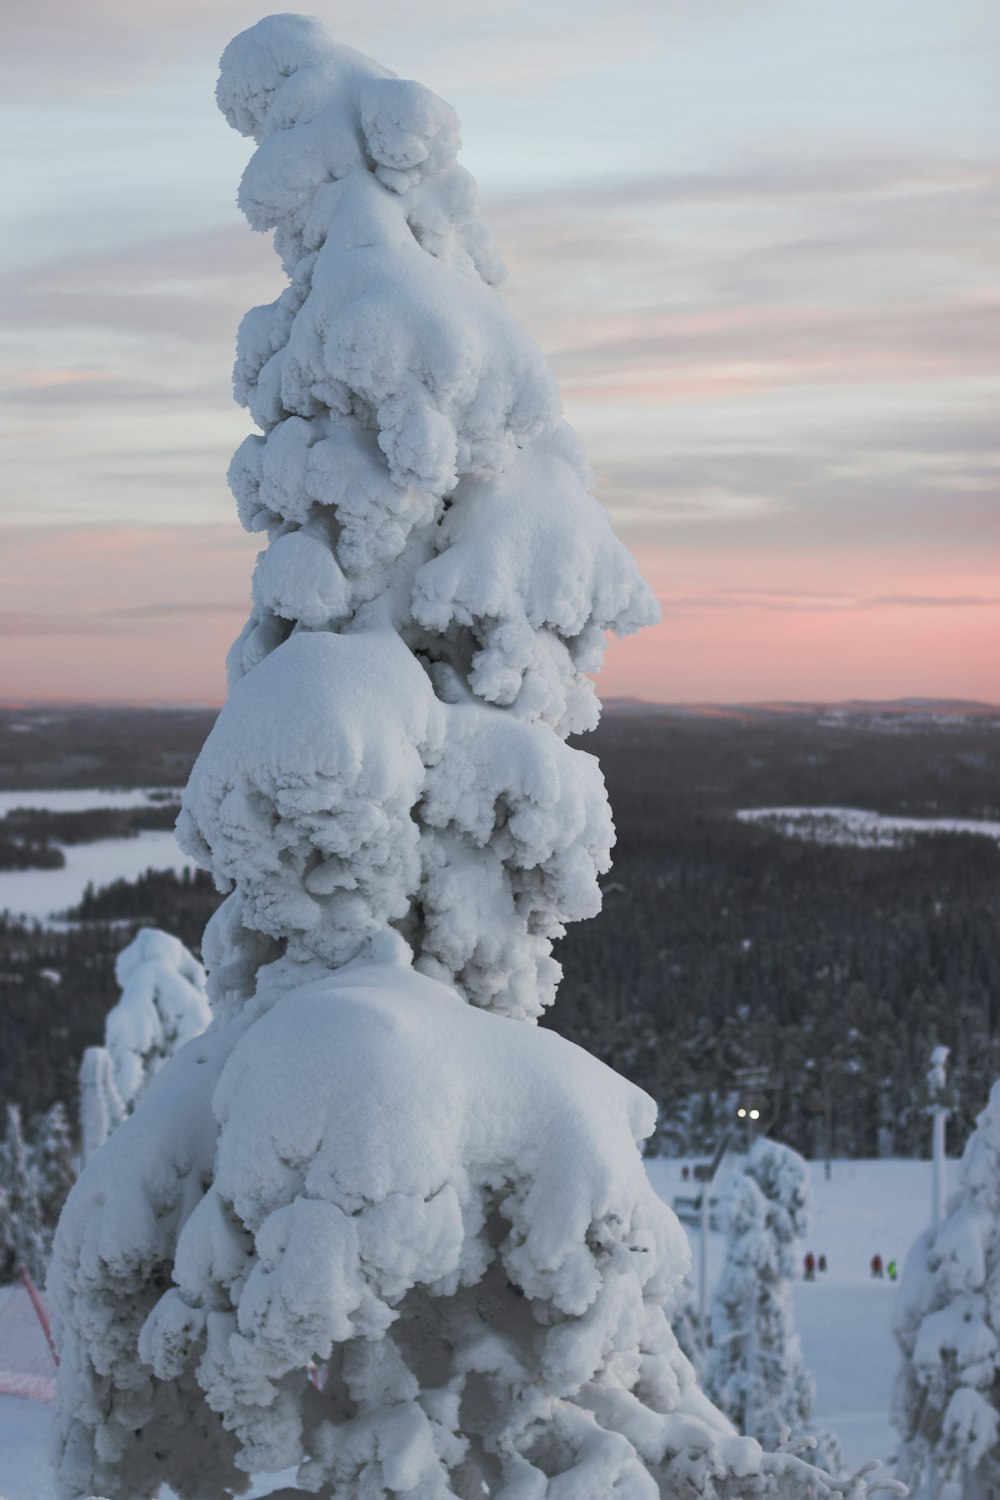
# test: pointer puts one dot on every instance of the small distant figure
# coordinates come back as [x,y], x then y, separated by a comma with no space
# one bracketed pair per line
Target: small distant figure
[892,1270]
[810,1267]
[827,1170]
[822,1265]
[685,1172]
[877,1266]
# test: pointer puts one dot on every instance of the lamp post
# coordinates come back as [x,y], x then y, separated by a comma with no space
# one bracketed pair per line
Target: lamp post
[750,1116]
[705,1174]
[939,1109]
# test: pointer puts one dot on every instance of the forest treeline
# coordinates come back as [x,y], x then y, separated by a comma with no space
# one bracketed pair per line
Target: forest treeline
[723,946]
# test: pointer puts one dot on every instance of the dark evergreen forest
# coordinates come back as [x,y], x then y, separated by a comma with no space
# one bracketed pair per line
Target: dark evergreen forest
[831,971]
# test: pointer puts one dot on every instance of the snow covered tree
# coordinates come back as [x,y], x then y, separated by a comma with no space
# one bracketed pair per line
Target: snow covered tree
[946,1404]
[755,1370]
[53,1159]
[162,1005]
[23,1236]
[370,1166]
[101,1110]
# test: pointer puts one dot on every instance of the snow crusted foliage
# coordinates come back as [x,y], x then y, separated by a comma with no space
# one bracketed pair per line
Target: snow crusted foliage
[162,1005]
[755,1371]
[946,1404]
[371,1223]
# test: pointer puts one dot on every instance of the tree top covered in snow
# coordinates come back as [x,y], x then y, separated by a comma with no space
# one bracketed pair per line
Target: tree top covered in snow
[438,577]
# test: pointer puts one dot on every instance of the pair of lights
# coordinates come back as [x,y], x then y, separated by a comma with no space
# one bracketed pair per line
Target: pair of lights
[753,1113]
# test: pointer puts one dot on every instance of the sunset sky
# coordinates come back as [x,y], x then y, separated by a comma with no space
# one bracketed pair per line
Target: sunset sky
[758,240]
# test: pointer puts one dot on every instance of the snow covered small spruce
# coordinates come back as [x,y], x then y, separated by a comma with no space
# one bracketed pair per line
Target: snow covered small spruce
[371,1223]
[162,1005]
[755,1371]
[946,1405]
[53,1156]
[22,1236]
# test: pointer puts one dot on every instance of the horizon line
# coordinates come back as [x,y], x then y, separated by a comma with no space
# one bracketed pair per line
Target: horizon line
[911,702]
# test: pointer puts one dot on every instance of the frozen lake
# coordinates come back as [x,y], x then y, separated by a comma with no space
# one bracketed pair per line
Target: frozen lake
[43,894]
[853,825]
[85,798]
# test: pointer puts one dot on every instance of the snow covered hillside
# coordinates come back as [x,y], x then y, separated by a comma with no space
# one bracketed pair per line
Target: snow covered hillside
[843,1317]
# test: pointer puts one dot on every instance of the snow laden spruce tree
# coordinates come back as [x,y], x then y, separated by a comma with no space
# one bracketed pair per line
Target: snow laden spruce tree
[755,1371]
[946,1404]
[162,1005]
[374,1223]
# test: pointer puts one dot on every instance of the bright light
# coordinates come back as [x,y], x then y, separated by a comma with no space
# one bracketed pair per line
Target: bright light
[742,1113]
[755,1114]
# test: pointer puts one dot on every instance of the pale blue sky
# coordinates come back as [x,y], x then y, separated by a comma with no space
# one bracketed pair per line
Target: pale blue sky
[757,238]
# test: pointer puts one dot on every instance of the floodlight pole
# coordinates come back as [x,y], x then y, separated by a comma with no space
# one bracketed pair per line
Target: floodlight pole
[707,1176]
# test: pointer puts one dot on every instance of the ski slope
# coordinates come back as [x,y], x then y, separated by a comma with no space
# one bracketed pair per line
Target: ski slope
[843,1317]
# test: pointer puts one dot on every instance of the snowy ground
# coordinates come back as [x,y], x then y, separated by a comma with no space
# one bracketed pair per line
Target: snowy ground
[43,894]
[866,1207]
[853,825]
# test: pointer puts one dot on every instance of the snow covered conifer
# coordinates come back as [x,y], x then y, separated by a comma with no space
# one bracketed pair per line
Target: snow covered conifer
[755,1370]
[162,1005]
[946,1405]
[24,1236]
[369,1165]
[53,1158]
[101,1110]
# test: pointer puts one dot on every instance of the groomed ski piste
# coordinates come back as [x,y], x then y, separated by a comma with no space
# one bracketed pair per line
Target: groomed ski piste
[866,1208]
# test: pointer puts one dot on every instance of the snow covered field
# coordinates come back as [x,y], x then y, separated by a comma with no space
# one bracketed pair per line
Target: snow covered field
[853,825]
[43,894]
[843,1317]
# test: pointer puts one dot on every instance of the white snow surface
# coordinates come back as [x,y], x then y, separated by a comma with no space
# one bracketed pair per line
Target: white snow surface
[853,825]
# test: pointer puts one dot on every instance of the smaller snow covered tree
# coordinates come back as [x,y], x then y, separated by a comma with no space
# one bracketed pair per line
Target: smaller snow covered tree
[162,1006]
[755,1372]
[24,1236]
[100,1107]
[685,1320]
[53,1155]
[947,1400]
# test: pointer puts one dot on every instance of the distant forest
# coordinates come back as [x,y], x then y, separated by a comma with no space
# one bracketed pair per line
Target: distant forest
[723,946]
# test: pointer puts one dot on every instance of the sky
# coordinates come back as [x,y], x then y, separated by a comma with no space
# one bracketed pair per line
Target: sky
[757,239]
